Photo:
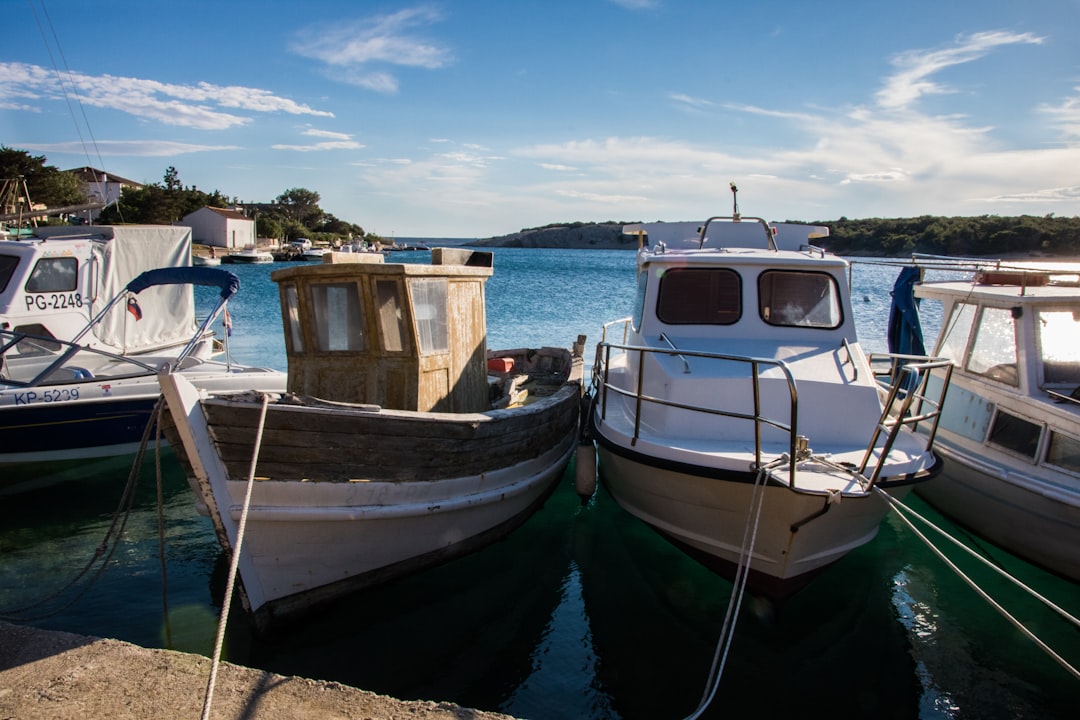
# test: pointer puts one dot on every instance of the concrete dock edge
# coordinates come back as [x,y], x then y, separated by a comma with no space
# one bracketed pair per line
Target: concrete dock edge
[61,676]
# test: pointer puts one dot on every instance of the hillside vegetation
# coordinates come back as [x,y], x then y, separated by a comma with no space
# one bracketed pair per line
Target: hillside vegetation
[985,235]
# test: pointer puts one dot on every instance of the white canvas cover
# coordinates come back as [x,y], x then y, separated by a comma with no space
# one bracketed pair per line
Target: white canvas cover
[168,312]
[119,254]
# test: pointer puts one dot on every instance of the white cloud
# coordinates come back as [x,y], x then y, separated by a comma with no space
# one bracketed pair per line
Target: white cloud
[382,39]
[637,4]
[915,68]
[1066,115]
[135,148]
[200,106]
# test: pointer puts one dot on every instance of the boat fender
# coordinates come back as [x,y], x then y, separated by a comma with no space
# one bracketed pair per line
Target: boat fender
[585,471]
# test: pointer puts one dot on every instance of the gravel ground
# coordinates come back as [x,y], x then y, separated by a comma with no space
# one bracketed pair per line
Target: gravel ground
[60,676]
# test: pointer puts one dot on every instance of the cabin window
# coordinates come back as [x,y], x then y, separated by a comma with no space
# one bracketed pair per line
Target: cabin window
[339,317]
[40,344]
[292,318]
[1058,346]
[699,296]
[8,263]
[802,299]
[994,352]
[1064,451]
[429,305]
[1016,434]
[58,274]
[957,329]
[391,323]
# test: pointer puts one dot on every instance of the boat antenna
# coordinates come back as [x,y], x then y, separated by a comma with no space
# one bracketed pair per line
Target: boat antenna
[734,202]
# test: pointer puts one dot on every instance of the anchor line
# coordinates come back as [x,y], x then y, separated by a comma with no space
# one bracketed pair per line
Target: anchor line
[903,511]
[235,561]
[103,553]
[159,416]
[727,631]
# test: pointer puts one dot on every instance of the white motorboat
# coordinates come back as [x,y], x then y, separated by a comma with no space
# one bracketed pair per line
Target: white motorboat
[1010,427]
[248,256]
[402,442]
[67,404]
[735,413]
[313,254]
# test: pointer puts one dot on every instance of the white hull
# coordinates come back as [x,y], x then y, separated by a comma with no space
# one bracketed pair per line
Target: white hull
[709,517]
[340,537]
[377,512]
[1028,517]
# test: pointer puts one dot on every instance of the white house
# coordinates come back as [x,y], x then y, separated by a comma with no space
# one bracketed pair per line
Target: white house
[220,227]
[101,187]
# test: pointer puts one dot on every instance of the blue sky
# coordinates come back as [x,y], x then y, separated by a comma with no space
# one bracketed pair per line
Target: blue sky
[463,118]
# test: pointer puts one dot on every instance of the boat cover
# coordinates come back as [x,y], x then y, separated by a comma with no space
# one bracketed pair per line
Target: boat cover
[122,252]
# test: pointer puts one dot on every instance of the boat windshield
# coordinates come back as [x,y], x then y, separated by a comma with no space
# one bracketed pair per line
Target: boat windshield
[699,296]
[994,352]
[1060,352]
[803,299]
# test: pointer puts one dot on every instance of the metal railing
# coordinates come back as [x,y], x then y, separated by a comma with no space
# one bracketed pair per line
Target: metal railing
[910,399]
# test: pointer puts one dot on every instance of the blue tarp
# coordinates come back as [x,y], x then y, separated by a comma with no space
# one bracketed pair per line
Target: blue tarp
[212,277]
[905,331]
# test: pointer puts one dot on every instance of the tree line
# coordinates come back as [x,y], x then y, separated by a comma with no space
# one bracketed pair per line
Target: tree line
[293,214]
[296,213]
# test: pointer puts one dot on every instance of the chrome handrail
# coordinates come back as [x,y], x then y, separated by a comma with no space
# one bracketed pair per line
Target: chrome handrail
[601,382]
[910,400]
[909,385]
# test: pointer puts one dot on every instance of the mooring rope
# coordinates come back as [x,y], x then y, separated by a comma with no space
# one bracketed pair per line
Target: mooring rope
[103,552]
[159,415]
[902,512]
[742,574]
[235,562]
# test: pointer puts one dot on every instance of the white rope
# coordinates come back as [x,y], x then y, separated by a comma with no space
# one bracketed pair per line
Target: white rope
[742,573]
[897,505]
[234,563]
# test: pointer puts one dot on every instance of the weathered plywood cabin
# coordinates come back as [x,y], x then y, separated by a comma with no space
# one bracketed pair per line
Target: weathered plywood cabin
[400,336]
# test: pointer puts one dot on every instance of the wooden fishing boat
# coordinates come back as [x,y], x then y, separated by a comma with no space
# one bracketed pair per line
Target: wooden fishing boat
[402,442]
[1010,426]
[735,412]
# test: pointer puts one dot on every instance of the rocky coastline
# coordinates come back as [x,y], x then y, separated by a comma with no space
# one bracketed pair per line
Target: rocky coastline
[598,236]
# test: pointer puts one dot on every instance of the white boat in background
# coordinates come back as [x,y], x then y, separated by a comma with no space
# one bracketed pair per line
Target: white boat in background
[736,414]
[249,255]
[402,442]
[313,254]
[1010,427]
[205,261]
[67,404]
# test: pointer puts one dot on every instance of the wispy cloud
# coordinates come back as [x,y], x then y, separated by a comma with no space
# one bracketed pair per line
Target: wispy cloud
[689,103]
[202,106]
[131,148]
[1066,115]
[352,48]
[331,141]
[638,4]
[915,68]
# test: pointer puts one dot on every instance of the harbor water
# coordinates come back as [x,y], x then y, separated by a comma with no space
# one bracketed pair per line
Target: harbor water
[582,613]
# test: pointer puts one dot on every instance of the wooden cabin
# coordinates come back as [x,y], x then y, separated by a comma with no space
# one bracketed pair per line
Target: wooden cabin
[404,336]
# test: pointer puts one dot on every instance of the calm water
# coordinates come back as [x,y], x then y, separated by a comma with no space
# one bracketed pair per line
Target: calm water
[581,613]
